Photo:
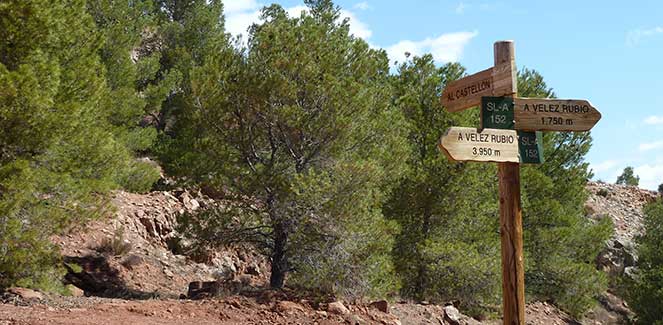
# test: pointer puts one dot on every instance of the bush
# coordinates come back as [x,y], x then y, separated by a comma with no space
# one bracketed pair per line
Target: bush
[645,290]
[139,176]
[116,245]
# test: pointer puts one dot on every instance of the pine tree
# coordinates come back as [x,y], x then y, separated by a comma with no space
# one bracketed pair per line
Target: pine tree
[560,243]
[448,248]
[645,289]
[628,177]
[300,128]
[130,71]
[57,156]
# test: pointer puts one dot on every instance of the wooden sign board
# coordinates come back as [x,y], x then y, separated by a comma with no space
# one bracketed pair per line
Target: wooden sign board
[530,146]
[468,144]
[467,92]
[543,114]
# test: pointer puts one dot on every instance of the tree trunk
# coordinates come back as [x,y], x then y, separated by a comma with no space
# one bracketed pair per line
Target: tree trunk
[421,282]
[279,258]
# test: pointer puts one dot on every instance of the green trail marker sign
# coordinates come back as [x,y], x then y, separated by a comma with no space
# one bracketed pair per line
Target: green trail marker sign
[530,147]
[498,113]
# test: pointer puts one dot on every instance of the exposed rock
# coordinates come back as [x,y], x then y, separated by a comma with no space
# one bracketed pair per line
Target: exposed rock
[24,293]
[288,307]
[253,269]
[203,289]
[338,308]
[75,291]
[381,305]
[452,315]
[623,205]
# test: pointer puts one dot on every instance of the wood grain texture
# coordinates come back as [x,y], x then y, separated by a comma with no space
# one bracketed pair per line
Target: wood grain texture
[542,114]
[468,144]
[467,92]
[511,219]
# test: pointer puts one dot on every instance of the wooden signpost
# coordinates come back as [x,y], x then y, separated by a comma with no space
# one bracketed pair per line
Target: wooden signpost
[554,114]
[467,144]
[467,92]
[502,113]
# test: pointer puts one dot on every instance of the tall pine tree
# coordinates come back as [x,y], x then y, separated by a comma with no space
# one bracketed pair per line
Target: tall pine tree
[58,154]
[300,128]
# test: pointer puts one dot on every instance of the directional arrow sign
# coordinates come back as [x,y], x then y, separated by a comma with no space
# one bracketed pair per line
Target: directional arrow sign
[534,114]
[467,92]
[468,144]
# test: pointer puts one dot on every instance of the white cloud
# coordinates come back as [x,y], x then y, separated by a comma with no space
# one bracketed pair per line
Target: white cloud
[357,27]
[362,6]
[650,145]
[651,175]
[239,22]
[242,14]
[234,6]
[445,48]
[604,166]
[654,120]
[634,37]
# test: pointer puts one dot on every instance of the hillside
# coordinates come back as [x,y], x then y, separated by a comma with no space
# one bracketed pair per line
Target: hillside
[133,257]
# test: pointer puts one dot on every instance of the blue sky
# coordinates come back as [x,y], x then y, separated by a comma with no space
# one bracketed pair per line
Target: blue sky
[608,52]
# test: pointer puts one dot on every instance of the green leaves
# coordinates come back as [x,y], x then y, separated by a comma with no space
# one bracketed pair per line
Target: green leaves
[645,289]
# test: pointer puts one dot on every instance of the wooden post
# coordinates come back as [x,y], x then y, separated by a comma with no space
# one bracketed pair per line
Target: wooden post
[511,220]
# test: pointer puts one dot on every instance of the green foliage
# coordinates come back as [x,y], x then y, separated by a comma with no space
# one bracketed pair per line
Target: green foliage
[560,243]
[115,245]
[138,176]
[628,177]
[300,122]
[60,149]
[645,290]
[448,247]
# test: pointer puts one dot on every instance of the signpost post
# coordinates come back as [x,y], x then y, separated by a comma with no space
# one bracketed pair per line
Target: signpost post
[502,113]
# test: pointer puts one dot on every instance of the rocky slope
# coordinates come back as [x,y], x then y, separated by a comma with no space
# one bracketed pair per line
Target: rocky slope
[137,254]
[623,205]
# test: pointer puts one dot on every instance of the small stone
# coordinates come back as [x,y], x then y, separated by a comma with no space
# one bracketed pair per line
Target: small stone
[288,307]
[452,315]
[338,308]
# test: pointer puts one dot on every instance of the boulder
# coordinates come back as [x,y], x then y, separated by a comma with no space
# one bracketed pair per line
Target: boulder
[288,307]
[381,305]
[24,293]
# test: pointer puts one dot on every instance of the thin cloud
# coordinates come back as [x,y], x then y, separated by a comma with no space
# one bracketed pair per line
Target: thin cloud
[651,175]
[650,146]
[444,48]
[362,6]
[234,6]
[654,120]
[634,37]
[244,13]
[604,166]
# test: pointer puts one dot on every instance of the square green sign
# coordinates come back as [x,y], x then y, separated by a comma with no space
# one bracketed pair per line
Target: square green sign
[497,113]
[530,147]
